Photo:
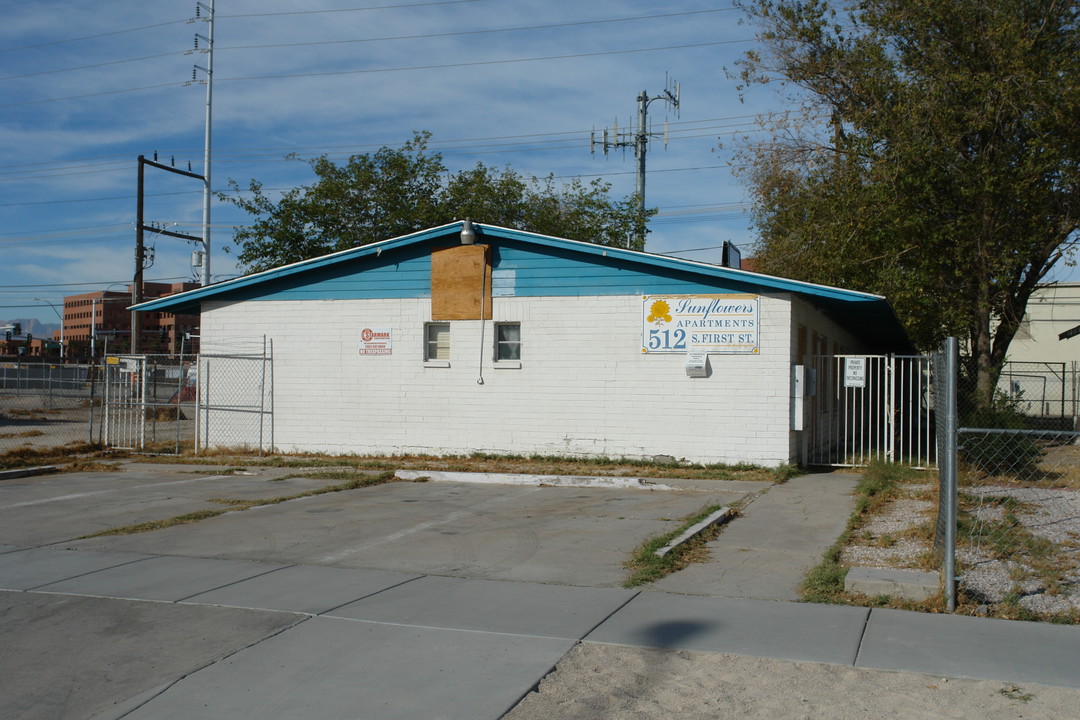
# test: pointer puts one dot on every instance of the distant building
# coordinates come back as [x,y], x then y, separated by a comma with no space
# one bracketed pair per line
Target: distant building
[92,320]
[1042,370]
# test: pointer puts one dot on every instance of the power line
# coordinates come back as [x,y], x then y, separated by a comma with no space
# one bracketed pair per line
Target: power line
[93,37]
[480,63]
[185,20]
[464,33]
[359,9]
[428,36]
[365,71]
[123,159]
[90,67]
[96,94]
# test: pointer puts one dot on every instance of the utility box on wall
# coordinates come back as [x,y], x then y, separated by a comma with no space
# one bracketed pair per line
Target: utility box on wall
[697,364]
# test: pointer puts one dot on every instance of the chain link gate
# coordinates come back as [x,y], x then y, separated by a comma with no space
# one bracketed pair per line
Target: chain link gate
[236,401]
[124,422]
[163,403]
[867,407]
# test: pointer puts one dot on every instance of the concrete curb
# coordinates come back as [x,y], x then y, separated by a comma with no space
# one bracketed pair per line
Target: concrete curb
[722,515]
[915,585]
[27,472]
[622,483]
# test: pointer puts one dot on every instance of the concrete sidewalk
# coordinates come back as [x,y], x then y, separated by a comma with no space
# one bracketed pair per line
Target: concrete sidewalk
[321,642]
[782,533]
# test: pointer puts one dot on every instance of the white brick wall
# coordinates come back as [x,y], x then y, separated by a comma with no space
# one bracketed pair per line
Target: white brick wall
[584,386]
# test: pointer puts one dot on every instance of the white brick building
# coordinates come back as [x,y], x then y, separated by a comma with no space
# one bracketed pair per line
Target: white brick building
[525,344]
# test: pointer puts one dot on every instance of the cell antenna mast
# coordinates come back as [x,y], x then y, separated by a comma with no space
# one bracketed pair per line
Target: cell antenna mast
[205,13]
[638,138]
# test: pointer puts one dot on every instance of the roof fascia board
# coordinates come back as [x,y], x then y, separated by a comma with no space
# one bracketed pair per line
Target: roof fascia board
[667,262]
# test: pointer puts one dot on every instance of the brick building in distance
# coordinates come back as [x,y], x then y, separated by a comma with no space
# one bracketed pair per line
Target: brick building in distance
[92,318]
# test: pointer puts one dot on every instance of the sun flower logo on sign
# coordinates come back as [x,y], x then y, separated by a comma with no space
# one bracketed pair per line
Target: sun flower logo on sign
[659,311]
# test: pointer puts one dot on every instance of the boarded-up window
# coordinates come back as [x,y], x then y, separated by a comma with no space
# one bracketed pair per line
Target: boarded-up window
[461,283]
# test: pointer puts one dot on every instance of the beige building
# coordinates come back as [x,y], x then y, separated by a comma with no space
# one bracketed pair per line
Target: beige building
[1041,370]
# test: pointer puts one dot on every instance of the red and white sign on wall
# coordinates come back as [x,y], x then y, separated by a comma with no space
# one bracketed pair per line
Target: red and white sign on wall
[375,341]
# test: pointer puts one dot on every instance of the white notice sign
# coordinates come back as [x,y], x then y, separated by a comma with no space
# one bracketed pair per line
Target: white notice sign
[854,372]
[375,341]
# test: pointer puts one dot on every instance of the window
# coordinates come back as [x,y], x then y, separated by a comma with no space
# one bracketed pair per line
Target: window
[437,342]
[507,341]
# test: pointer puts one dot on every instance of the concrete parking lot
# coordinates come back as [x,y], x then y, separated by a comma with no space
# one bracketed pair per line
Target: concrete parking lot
[392,601]
[561,535]
[114,621]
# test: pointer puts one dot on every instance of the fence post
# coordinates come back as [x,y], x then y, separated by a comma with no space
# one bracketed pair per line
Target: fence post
[947,468]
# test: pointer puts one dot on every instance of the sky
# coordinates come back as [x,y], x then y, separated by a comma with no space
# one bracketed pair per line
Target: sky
[90,86]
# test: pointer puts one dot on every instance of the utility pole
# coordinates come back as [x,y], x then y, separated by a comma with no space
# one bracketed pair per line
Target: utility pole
[638,138]
[140,247]
[208,71]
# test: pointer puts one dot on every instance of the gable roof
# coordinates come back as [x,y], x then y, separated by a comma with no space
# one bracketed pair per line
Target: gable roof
[866,315]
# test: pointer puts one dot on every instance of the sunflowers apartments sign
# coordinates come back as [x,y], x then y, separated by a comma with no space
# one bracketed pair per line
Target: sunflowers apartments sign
[699,323]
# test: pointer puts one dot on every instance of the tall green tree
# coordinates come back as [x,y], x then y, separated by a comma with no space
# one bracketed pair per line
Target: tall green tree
[932,154]
[395,191]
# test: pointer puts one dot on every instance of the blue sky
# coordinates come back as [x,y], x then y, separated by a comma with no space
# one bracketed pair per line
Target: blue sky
[89,86]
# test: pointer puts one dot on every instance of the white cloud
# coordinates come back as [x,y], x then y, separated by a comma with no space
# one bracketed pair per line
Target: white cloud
[92,142]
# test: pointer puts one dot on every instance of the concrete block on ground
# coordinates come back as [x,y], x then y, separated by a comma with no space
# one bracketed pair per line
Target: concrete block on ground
[914,585]
[27,472]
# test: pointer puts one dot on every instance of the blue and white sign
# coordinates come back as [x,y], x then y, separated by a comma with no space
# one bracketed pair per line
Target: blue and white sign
[699,323]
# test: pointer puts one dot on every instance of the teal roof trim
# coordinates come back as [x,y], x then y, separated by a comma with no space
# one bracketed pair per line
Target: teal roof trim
[868,315]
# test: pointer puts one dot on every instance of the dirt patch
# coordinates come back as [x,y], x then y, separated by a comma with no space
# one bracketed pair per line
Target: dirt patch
[598,681]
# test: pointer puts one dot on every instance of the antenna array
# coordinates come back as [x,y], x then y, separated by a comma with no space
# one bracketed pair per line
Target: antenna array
[637,137]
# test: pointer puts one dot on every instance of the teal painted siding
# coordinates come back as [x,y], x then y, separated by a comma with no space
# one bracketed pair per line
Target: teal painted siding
[406,273]
[403,273]
[557,272]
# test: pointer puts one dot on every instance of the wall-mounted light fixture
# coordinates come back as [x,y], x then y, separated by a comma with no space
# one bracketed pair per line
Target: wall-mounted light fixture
[468,235]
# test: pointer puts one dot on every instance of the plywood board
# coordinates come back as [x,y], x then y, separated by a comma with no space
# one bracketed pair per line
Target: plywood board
[461,283]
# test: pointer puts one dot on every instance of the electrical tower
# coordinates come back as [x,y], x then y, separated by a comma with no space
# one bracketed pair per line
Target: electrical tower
[638,138]
[208,71]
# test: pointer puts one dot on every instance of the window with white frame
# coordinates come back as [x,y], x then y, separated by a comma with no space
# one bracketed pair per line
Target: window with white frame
[507,341]
[436,341]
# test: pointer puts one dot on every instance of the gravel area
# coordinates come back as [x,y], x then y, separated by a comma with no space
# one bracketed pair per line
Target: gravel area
[1047,584]
[881,542]
[1051,514]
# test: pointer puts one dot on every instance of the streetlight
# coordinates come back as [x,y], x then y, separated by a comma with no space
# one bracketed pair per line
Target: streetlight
[59,315]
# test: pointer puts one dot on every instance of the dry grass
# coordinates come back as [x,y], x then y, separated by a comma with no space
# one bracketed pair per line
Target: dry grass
[479,462]
[26,434]
[71,457]
[353,482]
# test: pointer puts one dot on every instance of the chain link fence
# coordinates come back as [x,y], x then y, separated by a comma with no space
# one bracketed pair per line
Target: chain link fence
[45,405]
[1017,526]
[235,401]
[1047,394]
[150,402]
[154,403]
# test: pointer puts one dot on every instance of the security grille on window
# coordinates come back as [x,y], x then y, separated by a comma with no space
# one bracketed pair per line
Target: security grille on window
[508,341]
[437,345]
